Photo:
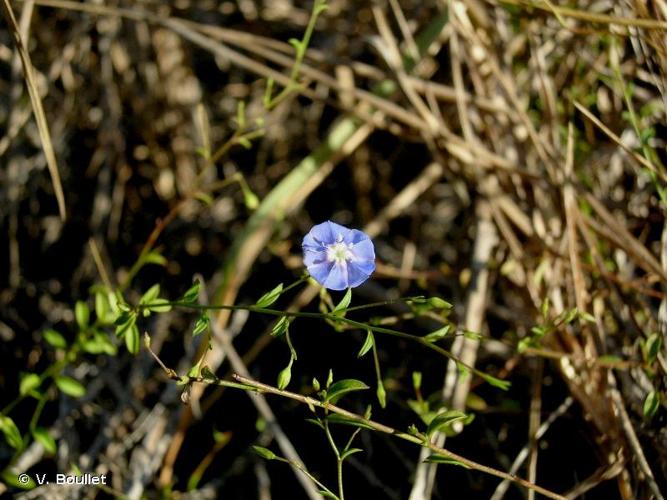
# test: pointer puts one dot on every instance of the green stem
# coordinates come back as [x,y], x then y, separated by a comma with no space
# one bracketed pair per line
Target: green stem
[310,476]
[339,460]
[416,439]
[318,8]
[350,322]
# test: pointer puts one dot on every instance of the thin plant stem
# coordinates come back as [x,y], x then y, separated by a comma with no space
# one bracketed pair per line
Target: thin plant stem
[311,402]
[349,322]
[339,461]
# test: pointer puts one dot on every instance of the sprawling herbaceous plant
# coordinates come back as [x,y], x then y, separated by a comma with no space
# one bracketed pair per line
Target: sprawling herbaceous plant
[338,257]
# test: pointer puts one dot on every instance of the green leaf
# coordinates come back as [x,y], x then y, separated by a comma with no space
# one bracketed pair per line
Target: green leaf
[437,334]
[444,421]
[651,404]
[296,43]
[587,317]
[221,437]
[316,422]
[281,327]
[55,339]
[249,198]
[544,309]
[285,375]
[538,331]
[208,374]
[264,452]
[316,384]
[442,459]
[381,395]
[127,321]
[192,295]
[12,479]
[349,452]
[82,314]
[495,382]
[339,310]
[201,325]
[11,432]
[570,316]
[329,378]
[422,408]
[132,339]
[154,257]
[653,344]
[342,387]
[412,429]
[368,344]
[102,308]
[335,418]
[99,344]
[43,437]
[29,382]
[438,303]
[159,306]
[417,380]
[70,386]
[150,295]
[270,297]
[240,114]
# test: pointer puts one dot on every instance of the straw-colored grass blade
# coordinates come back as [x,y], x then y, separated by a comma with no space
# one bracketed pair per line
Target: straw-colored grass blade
[37,108]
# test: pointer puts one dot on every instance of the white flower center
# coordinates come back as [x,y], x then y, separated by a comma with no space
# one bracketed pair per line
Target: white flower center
[339,252]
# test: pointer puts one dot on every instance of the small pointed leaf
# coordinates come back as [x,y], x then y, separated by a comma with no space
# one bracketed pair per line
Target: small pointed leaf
[11,432]
[28,383]
[70,386]
[368,344]
[444,421]
[132,339]
[55,339]
[270,297]
[43,437]
[651,404]
[437,334]
[349,452]
[192,294]
[82,314]
[339,310]
[201,324]
[342,387]
[281,327]
[442,459]
[264,452]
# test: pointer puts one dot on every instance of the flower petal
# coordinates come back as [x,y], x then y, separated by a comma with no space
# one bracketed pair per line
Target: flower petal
[321,271]
[314,256]
[337,279]
[310,243]
[358,274]
[355,236]
[351,263]
[363,251]
[325,233]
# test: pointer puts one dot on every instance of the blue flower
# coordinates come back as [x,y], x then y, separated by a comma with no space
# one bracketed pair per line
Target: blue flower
[338,257]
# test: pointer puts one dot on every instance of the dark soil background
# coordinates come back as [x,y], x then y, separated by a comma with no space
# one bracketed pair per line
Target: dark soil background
[468,151]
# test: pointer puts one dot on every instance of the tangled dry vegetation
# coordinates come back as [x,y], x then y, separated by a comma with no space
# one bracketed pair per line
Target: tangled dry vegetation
[507,156]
